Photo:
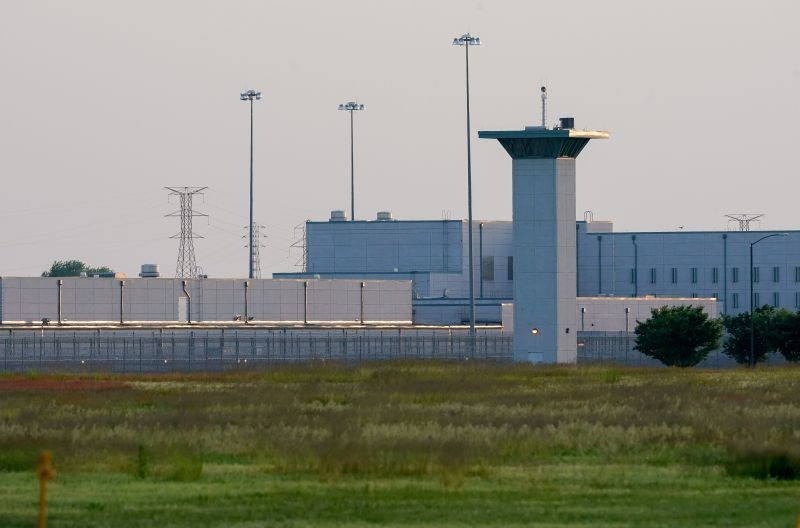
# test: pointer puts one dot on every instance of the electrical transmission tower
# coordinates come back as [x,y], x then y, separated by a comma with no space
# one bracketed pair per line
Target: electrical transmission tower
[186,268]
[300,242]
[256,253]
[743,219]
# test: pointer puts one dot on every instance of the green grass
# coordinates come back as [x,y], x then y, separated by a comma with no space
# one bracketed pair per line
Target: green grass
[407,444]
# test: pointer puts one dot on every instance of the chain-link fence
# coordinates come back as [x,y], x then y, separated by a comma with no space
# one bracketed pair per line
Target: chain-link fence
[182,351]
[619,347]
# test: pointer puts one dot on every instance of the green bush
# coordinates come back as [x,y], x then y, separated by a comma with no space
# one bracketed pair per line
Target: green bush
[737,343]
[786,334]
[680,336]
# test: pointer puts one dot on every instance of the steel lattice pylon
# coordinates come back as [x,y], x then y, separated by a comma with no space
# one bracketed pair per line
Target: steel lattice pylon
[255,263]
[186,267]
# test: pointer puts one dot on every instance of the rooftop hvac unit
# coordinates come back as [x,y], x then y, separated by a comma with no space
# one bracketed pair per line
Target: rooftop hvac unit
[338,216]
[150,271]
[385,216]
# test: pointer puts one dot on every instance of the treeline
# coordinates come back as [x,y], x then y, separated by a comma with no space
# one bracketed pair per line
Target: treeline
[683,336]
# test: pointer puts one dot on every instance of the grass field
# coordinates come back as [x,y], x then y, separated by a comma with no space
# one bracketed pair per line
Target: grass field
[413,444]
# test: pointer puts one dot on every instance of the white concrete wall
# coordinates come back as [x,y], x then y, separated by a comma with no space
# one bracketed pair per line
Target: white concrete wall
[150,300]
[608,314]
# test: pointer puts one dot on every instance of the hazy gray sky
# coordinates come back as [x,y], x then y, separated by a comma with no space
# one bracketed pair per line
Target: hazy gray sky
[104,103]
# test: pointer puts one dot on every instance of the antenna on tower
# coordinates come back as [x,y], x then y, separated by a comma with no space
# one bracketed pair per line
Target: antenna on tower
[186,267]
[544,106]
[743,220]
[256,253]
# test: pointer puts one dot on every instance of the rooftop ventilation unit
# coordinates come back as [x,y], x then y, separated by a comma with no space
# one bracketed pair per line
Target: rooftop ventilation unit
[385,216]
[338,216]
[150,271]
[567,122]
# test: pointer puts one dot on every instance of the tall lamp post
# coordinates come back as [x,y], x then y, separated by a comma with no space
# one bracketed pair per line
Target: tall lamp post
[352,107]
[752,358]
[251,95]
[468,40]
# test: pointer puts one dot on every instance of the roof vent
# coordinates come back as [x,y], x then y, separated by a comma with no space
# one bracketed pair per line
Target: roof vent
[150,271]
[385,216]
[338,216]
[567,122]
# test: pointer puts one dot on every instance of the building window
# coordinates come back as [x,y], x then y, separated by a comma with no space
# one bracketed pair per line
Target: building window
[694,275]
[715,275]
[756,274]
[776,299]
[776,274]
[797,300]
[756,300]
[674,275]
[735,299]
[734,274]
[694,296]
[652,275]
[487,268]
[797,274]
[715,295]
[633,276]
[510,268]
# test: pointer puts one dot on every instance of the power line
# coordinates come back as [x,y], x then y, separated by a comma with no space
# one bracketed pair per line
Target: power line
[186,266]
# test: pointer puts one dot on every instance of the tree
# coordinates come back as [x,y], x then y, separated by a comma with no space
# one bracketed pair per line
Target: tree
[72,268]
[737,344]
[680,336]
[786,334]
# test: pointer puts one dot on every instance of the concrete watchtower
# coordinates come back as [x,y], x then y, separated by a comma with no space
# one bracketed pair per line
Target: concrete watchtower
[543,188]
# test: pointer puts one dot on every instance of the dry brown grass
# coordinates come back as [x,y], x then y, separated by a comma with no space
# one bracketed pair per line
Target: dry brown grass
[451,420]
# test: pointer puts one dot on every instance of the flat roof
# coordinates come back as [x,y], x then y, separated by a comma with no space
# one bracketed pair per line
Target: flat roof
[540,132]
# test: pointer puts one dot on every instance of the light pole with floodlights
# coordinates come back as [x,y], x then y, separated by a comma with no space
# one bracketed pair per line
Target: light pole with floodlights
[251,95]
[468,40]
[752,358]
[351,107]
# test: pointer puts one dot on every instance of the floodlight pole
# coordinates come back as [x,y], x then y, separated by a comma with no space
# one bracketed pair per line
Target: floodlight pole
[468,40]
[752,357]
[250,95]
[352,107]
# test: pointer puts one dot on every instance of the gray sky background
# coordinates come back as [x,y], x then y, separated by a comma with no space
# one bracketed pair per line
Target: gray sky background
[104,103]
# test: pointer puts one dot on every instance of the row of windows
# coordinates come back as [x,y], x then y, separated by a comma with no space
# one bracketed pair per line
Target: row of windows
[757,301]
[487,273]
[776,275]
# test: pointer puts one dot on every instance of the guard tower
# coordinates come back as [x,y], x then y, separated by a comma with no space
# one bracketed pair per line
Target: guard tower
[543,204]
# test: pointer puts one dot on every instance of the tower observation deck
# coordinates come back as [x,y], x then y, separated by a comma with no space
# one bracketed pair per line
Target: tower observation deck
[543,205]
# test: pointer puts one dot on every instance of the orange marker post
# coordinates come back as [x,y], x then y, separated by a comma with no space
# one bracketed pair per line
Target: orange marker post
[45,472]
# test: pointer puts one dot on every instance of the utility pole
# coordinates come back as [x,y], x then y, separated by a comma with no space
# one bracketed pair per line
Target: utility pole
[251,95]
[186,267]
